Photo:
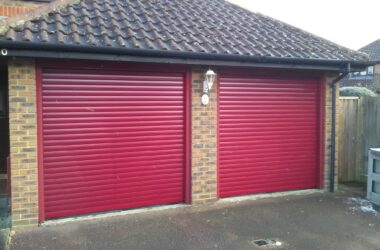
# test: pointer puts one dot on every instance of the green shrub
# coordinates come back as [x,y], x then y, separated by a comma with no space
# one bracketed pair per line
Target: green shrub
[356,91]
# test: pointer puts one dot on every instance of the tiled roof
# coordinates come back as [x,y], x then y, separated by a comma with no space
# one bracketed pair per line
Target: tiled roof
[210,27]
[373,50]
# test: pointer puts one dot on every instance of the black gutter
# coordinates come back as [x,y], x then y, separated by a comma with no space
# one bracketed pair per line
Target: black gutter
[43,48]
[333,125]
[165,60]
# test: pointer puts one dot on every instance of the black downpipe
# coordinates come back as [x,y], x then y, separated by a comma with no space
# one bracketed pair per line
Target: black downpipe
[333,125]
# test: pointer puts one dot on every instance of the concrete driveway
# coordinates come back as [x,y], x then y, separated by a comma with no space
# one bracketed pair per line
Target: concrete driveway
[314,221]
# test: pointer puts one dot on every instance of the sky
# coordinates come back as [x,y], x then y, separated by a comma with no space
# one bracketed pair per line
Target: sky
[352,24]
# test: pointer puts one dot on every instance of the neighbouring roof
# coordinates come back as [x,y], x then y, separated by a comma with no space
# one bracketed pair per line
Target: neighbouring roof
[205,27]
[373,50]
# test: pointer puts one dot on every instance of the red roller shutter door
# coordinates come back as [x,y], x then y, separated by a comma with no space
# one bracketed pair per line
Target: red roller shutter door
[111,140]
[268,135]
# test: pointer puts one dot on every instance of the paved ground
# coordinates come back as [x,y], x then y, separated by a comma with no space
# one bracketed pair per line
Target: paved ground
[317,221]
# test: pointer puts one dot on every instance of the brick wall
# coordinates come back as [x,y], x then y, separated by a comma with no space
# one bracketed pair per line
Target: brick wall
[14,7]
[23,142]
[204,174]
[328,102]
[377,68]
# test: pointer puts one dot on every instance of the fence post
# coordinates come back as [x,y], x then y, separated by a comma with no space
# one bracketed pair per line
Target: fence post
[370,171]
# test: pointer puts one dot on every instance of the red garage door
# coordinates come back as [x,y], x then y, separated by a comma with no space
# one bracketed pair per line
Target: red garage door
[111,140]
[268,135]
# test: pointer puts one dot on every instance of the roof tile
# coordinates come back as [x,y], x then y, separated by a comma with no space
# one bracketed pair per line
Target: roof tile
[373,50]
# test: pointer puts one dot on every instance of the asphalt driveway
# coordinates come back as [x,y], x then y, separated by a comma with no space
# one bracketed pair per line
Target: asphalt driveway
[314,221]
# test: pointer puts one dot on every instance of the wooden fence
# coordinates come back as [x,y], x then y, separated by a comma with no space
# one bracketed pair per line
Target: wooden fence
[359,130]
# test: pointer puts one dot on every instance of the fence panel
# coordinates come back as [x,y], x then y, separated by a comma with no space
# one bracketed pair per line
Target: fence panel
[359,130]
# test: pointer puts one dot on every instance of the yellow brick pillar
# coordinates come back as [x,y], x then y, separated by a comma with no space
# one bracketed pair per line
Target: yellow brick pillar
[23,142]
[204,141]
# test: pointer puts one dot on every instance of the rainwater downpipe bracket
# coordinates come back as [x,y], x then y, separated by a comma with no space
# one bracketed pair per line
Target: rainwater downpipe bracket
[4,52]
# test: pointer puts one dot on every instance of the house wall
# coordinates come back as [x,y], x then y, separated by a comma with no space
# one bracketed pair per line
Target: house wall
[14,7]
[377,69]
[23,141]
[371,82]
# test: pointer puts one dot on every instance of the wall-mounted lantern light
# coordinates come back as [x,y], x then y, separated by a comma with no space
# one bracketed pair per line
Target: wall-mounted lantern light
[207,85]
[209,80]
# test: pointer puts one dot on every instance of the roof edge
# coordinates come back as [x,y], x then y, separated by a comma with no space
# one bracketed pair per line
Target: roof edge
[61,49]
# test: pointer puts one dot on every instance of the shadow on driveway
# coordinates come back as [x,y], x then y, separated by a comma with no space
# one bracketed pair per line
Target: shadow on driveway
[316,221]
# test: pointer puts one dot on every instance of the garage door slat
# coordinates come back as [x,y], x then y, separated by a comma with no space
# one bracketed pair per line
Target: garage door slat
[111,149]
[129,182]
[89,146]
[115,200]
[116,204]
[105,197]
[116,139]
[132,172]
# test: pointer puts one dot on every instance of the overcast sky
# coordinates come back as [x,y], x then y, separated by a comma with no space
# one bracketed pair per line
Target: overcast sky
[353,24]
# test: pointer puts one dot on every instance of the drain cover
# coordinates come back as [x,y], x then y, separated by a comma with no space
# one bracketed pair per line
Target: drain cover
[261,243]
[267,243]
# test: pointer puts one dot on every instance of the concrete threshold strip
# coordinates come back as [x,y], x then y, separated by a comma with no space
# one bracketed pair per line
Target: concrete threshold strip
[270,195]
[111,214]
[167,207]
